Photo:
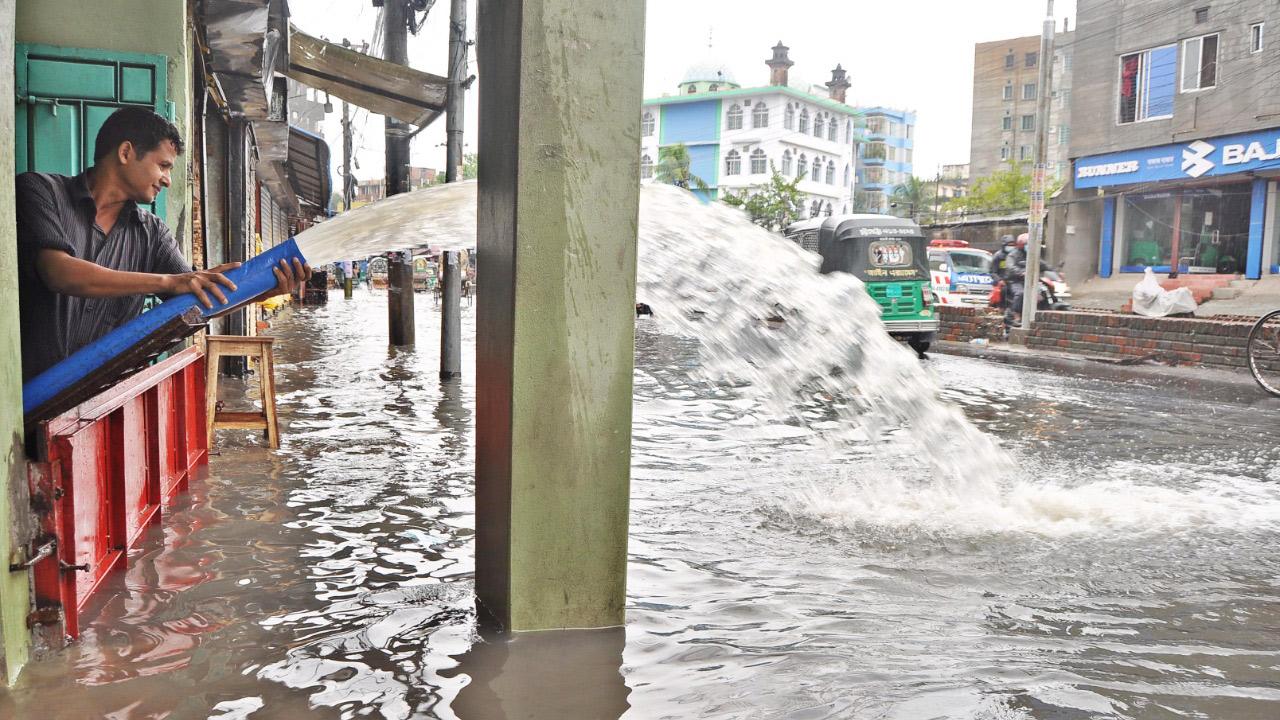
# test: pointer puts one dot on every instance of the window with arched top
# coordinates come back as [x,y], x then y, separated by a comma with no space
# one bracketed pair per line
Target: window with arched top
[733,119]
[847,175]
[646,167]
[827,210]
[831,172]
[786,163]
[815,173]
[759,162]
[848,131]
[815,208]
[804,120]
[802,166]
[819,125]
[647,124]
[789,117]
[760,115]
[733,163]
[833,131]
[693,89]
[713,87]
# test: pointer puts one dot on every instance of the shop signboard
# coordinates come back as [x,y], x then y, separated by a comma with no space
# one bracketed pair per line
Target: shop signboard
[1210,157]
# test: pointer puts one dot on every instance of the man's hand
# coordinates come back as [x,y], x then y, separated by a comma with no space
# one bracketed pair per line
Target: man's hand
[202,284]
[289,278]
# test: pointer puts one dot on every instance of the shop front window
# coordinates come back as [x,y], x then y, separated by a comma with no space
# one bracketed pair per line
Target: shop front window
[1148,230]
[1215,228]
[1212,226]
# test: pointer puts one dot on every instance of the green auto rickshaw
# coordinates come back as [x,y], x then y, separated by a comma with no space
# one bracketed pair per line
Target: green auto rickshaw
[890,257]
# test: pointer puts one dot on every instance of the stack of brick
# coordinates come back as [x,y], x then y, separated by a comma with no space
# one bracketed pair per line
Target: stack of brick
[962,324]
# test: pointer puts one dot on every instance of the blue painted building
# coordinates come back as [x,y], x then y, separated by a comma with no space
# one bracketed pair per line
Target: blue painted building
[885,159]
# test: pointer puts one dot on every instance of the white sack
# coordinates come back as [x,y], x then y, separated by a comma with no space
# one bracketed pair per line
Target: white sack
[1151,300]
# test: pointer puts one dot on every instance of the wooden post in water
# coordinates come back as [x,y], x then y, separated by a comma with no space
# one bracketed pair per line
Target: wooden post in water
[557,218]
[399,265]
[450,316]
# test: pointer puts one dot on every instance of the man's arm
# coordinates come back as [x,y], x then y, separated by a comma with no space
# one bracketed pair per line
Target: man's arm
[168,259]
[68,275]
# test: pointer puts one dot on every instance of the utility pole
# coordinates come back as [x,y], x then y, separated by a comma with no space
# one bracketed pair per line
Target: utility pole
[937,194]
[1035,220]
[399,264]
[455,105]
[346,157]
[346,148]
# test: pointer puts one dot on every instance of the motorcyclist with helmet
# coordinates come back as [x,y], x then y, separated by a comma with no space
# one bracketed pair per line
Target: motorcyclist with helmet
[1015,280]
[1001,256]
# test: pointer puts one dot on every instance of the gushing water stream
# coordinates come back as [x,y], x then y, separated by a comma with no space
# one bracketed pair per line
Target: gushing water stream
[810,348]
[712,274]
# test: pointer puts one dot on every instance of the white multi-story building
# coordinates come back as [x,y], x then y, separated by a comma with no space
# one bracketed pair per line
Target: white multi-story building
[736,136]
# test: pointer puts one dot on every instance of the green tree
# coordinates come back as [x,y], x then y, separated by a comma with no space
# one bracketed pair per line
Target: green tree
[776,206]
[673,168]
[470,166]
[1005,190]
[913,197]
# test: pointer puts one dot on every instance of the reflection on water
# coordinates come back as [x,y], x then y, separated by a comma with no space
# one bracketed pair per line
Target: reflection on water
[572,674]
[333,579]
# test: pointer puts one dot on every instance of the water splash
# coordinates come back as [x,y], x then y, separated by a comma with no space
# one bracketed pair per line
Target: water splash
[1124,500]
[440,216]
[810,346]
[823,360]
[790,343]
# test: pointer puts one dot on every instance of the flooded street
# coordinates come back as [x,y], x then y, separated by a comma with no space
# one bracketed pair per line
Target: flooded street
[1130,570]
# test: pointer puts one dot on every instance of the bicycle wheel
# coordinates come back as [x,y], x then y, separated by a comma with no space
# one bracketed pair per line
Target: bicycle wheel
[1263,351]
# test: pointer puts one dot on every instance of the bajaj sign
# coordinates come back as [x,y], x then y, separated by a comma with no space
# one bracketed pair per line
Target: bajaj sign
[1200,158]
[1195,158]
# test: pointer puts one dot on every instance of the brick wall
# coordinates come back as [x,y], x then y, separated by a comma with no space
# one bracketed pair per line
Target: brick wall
[962,324]
[1184,341]
[1215,342]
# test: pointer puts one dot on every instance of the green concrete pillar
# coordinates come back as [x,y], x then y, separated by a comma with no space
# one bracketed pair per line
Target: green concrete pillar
[14,507]
[559,190]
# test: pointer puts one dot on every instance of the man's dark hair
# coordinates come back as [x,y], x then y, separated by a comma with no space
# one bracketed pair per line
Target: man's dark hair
[138,125]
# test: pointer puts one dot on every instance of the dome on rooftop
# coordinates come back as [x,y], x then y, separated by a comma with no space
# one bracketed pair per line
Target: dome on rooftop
[709,70]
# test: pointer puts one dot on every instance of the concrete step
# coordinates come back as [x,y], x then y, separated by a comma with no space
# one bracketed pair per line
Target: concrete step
[1243,284]
[1227,293]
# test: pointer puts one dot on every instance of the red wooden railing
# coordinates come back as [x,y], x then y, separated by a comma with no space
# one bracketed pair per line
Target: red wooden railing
[103,472]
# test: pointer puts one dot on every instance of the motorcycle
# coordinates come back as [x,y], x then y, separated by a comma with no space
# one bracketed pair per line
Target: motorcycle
[1051,285]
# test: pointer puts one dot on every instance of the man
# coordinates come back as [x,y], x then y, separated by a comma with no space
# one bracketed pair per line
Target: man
[1015,279]
[88,255]
[1001,257]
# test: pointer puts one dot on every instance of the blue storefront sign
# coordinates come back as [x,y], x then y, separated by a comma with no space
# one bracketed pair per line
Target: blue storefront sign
[1211,157]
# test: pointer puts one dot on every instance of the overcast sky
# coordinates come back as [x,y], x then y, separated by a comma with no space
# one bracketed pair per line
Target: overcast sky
[912,54]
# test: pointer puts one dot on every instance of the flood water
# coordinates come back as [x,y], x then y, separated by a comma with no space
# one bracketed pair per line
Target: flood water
[1130,570]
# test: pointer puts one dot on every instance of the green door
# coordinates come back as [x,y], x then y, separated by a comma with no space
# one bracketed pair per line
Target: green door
[65,94]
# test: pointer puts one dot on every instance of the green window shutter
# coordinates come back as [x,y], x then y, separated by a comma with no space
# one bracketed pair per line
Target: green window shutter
[65,94]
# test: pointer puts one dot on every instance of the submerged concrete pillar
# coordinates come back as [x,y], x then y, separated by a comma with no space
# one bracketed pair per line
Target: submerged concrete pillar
[559,189]
[15,507]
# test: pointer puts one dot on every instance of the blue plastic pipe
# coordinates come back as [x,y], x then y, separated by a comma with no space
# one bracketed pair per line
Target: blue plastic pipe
[251,279]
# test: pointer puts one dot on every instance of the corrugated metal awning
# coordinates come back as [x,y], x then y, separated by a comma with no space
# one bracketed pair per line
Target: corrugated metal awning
[309,171]
[381,87]
[246,43]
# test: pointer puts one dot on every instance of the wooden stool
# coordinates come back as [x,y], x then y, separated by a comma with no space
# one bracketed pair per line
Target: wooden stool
[219,346]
